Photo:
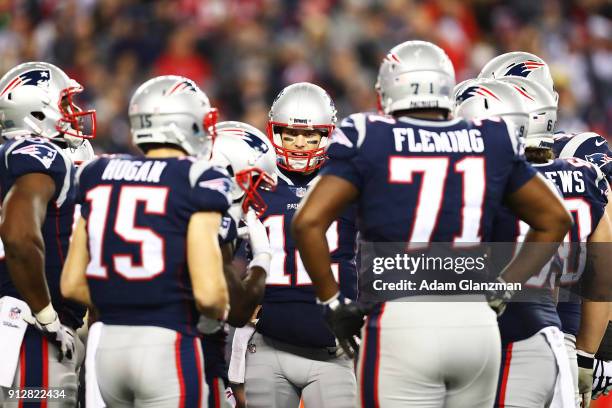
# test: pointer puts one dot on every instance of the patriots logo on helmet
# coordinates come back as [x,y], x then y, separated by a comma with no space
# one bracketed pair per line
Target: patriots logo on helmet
[250,139]
[523,69]
[599,159]
[255,142]
[182,86]
[36,77]
[473,91]
[42,153]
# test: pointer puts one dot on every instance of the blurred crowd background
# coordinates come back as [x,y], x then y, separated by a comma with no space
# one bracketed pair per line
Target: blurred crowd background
[242,52]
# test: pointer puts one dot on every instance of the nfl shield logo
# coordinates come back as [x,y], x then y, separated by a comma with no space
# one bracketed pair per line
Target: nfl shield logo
[251,348]
[14,313]
[300,192]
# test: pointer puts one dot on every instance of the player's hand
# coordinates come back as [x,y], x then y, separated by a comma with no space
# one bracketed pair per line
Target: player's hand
[258,241]
[585,382]
[585,376]
[602,378]
[207,325]
[345,319]
[497,299]
[58,334]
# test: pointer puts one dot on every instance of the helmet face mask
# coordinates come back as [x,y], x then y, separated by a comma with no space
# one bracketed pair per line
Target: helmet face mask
[301,106]
[36,98]
[75,121]
[299,160]
[249,156]
[250,180]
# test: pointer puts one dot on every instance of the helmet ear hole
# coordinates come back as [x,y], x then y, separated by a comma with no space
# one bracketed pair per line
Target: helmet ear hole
[195,128]
[38,115]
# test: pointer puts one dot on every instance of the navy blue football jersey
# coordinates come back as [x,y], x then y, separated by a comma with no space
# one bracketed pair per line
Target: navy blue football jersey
[137,212]
[426,181]
[588,146]
[584,190]
[37,155]
[289,291]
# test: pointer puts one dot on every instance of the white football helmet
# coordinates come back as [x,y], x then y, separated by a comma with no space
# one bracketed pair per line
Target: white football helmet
[172,110]
[301,106]
[542,109]
[486,98]
[36,98]
[523,65]
[80,154]
[248,155]
[415,75]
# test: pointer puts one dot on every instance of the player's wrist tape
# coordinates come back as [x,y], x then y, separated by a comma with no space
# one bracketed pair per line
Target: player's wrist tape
[507,293]
[585,360]
[46,315]
[329,301]
[262,260]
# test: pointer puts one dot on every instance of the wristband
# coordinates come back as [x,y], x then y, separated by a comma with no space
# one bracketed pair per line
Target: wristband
[262,260]
[585,360]
[330,300]
[46,315]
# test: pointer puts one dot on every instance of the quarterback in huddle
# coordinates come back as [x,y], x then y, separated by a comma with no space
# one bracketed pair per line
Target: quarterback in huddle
[128,280]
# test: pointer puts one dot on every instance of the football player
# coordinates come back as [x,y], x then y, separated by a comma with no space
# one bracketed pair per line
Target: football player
[590,147]
[145,251]
[417,180]
[247,154]
[39,120]
[293,354]
[533,356]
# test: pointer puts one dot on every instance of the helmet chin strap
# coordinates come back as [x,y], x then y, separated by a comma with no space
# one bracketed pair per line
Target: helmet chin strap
[35,129]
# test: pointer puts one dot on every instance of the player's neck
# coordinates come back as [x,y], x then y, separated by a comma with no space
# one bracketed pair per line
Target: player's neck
[299,178]
[426,114]
[164,152]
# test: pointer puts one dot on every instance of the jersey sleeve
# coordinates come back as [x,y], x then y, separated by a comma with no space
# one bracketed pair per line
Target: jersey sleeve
[343,150]
[38,155]
[210,187]
[83,178]
[598,187]
[228,232]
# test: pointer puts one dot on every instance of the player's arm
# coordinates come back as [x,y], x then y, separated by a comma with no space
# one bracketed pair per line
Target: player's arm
[23,213]
[245,294]
[323,204]
[73,283]
[536,204]
[595,314]
[206,265]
